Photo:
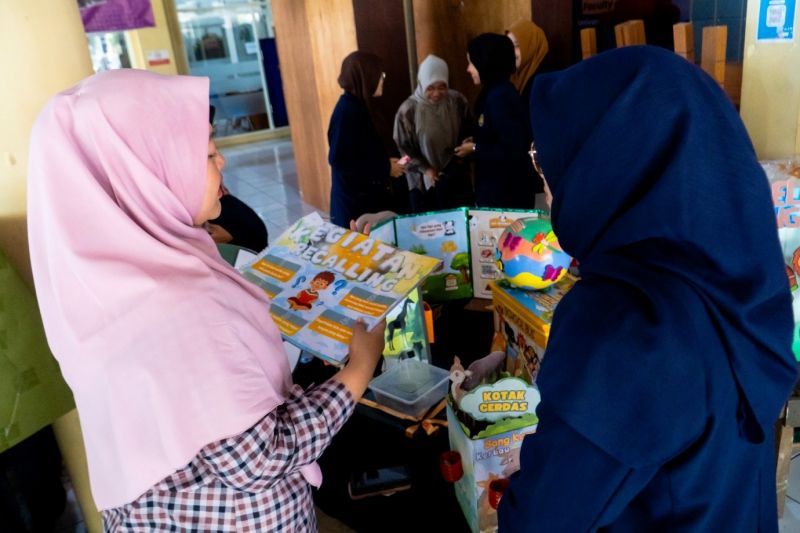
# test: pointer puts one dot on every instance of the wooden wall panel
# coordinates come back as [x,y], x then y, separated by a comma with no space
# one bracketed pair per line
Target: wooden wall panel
[445,26]
[313,37]
[555,17]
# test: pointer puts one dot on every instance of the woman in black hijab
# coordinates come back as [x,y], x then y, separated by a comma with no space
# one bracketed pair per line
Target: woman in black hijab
[359,161]
[503,173]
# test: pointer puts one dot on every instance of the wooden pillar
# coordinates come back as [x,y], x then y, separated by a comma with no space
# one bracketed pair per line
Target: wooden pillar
[313,37]
[784,434]
[683,37]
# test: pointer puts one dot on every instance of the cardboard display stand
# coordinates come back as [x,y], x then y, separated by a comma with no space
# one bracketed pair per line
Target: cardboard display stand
[488,424]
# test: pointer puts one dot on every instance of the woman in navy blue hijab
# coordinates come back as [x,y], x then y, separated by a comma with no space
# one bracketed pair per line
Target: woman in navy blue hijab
[668,363]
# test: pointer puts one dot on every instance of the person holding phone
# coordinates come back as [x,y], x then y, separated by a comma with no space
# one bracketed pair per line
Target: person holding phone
[427,128]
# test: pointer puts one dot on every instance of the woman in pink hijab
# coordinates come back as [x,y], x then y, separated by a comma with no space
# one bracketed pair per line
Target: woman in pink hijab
[186,403]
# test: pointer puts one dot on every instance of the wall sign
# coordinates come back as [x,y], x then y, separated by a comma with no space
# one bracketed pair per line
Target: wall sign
[115,15]
[776,20]
[157,57]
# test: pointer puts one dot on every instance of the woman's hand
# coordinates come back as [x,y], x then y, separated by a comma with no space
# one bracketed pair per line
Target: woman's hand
[365,230]
[366,348]
[466,148]
[397,169]
[431,177]
[218,233]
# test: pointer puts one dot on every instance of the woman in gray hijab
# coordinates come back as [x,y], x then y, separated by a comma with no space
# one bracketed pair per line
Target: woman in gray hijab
[428,126]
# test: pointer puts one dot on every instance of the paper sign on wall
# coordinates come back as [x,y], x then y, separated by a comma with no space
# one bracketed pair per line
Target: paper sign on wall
[157,57]
[776,20]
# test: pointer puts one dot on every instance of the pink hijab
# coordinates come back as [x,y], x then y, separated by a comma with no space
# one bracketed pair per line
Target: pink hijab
[166,348]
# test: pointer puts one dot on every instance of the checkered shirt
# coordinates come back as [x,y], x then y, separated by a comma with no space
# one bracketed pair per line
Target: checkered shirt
[249,482]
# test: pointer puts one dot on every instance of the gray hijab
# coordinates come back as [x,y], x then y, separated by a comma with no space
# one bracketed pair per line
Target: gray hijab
[437,125]
[432,70]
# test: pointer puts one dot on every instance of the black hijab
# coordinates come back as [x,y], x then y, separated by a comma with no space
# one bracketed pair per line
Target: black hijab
[361,72]
[493,56]
[360,75]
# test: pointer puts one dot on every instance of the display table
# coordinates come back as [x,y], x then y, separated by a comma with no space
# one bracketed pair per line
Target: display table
[373,438]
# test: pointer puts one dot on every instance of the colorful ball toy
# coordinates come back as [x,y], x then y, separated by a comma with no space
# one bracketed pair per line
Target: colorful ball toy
[529,256]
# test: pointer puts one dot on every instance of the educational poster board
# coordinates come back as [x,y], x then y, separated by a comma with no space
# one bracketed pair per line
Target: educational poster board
[321,278]
[464,240]
[443,235]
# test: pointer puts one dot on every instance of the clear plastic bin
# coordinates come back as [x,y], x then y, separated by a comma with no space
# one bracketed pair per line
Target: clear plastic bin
[411,387]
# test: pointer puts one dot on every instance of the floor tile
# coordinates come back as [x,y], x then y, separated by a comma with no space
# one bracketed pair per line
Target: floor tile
[264,176]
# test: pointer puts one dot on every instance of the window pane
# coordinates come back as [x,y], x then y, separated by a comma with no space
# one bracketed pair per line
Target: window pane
[224,40]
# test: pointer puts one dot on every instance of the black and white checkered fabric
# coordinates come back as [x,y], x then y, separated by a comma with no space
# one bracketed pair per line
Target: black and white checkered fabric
[249,482]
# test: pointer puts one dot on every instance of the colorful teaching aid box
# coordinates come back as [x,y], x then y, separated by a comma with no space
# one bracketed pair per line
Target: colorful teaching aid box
[487,425]
[485,228]
[465,240]
[486,462]
[321,278]
[784,178]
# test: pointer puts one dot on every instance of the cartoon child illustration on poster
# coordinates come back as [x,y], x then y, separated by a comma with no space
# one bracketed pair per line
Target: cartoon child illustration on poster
[305,298]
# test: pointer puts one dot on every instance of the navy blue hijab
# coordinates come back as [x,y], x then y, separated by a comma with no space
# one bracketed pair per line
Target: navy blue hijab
[658,193]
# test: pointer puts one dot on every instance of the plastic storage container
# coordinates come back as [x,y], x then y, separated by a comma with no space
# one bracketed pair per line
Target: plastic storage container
[410,387]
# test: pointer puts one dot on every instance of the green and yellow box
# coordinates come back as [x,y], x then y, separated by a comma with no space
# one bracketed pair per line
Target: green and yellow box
[487,425]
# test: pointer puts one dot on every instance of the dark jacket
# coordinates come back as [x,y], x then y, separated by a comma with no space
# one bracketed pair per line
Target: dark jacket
[359,162]
[504,176]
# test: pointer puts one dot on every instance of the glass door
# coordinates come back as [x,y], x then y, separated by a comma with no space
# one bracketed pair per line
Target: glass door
[226,40]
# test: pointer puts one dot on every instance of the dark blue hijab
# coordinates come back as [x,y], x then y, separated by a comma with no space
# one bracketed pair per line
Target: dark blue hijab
[658,193]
